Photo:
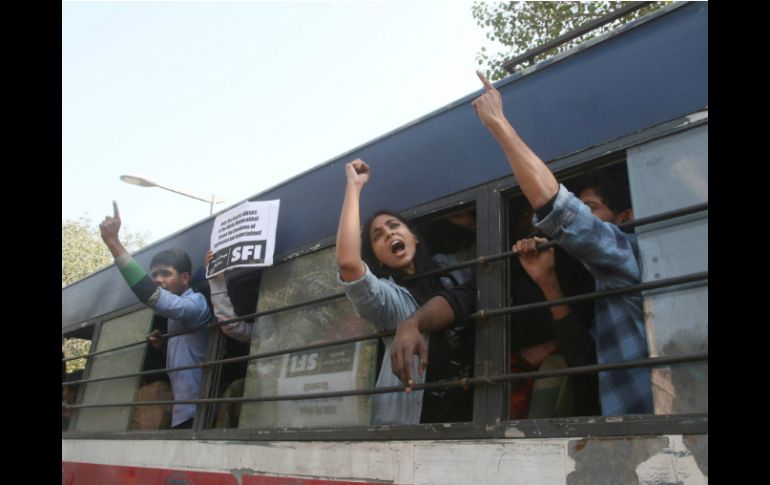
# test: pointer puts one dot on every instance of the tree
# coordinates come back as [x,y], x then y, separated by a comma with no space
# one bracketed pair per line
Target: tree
[517,27]
[83,252]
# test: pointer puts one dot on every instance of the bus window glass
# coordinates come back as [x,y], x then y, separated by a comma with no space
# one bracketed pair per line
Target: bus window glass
[336,368]
[668,174]
[153,387]
[123,330]
[76,344]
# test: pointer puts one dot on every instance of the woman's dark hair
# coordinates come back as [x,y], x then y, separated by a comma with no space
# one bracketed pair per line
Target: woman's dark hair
[422,289]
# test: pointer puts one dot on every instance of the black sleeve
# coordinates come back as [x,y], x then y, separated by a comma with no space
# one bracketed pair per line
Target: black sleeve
[543,212]
[462,299]
[576,343]
[144,289]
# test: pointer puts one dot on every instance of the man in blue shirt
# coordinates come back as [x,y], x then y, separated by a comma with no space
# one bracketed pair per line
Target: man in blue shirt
[169,295]
[586,228]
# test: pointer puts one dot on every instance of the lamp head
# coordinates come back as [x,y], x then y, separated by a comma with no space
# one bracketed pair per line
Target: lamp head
[138,180]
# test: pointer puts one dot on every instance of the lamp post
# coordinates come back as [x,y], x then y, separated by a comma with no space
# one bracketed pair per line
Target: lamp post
[145,182]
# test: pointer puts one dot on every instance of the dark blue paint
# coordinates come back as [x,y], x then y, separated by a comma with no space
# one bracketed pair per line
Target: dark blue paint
[640,78]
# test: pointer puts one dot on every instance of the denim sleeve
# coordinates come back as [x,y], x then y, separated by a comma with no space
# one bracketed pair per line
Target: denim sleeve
[606,251]
[190,309]
[378,301]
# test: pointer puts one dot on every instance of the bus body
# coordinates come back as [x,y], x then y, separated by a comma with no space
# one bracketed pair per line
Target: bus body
[636,98]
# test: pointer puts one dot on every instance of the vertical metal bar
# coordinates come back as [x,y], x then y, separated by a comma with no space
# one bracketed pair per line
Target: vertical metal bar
[204,413]
[86,375]
[489,401]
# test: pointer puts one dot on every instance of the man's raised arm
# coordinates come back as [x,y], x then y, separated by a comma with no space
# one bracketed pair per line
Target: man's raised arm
[535,179]
[109,229]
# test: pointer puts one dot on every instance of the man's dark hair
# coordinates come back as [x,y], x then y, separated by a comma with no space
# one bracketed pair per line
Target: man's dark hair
[611,185]
[176,258]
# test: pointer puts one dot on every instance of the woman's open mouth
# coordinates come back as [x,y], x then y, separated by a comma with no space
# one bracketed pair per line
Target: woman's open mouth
[397,247]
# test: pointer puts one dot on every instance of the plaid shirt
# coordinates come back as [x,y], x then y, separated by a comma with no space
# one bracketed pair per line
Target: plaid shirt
[612,258]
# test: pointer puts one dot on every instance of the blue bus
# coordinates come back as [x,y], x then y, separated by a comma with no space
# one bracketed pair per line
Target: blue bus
[293,404]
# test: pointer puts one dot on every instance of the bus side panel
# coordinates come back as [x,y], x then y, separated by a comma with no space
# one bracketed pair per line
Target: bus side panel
[638,459]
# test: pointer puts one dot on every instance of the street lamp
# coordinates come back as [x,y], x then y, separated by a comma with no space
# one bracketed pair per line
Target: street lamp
[145,182]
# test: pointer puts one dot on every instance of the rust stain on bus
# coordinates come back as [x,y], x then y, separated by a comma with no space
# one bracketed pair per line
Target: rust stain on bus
[612,460]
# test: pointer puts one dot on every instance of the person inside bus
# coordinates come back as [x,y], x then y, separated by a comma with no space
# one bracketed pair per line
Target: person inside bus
[552,338]
[586,227]
[69,393]
[167,292]
[540,341]
[154,387]
[452,240]
[372,266]
[241,331]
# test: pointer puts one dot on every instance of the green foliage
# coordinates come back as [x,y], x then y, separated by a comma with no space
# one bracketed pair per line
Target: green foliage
[83,251]
[516,27]
[74,347]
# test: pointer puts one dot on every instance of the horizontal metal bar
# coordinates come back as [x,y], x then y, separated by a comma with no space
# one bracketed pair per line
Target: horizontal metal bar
[243,358]
[483,260]
[215,324]
[462,383]
[562,39]
[678,280]
[480,315]
[684,211]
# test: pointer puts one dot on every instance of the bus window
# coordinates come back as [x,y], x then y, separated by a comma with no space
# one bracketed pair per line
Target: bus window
[336,368]
[451,239]
[153,387]
[352,365]
[535,340]
[242,290]
[122,330]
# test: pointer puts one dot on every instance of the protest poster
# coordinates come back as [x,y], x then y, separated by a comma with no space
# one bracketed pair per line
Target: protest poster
[244,236]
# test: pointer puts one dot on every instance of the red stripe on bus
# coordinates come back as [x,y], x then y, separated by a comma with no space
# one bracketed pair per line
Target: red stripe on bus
[74,473]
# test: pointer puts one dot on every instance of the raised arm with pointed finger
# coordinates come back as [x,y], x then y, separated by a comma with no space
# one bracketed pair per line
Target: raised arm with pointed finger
[534,177]
[109,229]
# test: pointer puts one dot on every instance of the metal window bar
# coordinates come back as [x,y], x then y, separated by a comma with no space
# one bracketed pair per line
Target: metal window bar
[481,261]
[242,358]
[530,55]
[465,383]
[480,315]
[652,285]
[216,324]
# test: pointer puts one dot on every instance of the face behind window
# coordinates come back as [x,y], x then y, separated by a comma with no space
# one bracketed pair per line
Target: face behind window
[168,278]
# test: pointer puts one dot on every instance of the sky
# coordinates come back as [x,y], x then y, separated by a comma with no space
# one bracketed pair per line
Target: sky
[232,98]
